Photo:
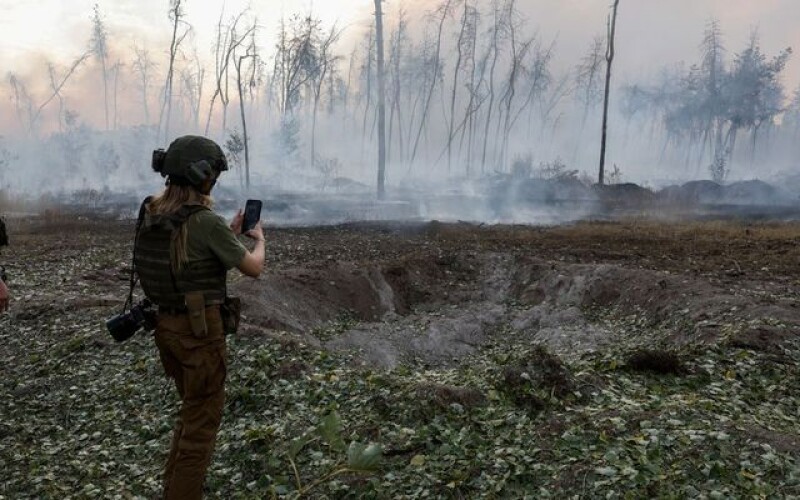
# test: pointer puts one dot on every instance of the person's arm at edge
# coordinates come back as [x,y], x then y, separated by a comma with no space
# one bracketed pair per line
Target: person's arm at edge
[252,263]
[5,296]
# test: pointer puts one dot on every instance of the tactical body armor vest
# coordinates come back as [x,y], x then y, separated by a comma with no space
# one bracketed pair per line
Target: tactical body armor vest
[152,262]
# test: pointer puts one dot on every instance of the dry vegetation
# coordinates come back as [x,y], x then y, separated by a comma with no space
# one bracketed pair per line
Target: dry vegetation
[693,393]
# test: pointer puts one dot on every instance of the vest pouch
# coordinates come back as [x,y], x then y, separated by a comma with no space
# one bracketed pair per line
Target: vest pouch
[231,311]
[196,306]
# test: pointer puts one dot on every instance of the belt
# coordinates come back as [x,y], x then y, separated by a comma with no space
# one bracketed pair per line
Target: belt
[173,310]
[177,310]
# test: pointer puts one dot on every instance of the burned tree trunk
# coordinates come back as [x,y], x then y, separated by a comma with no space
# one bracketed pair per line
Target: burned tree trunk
[381,101]
[612,25]
[453,95]
[394,64]
[495,50]
[100,49]
[176,15]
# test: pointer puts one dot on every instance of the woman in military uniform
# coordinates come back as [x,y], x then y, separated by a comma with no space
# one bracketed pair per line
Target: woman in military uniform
[182,254]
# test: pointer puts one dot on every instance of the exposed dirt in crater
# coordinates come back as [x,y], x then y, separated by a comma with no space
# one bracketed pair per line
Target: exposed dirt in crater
[432,294]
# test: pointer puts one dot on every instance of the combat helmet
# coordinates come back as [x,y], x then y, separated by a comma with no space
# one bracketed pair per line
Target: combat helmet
[190,160]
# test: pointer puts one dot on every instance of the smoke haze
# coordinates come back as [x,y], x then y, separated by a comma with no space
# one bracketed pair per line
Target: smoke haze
[59,141]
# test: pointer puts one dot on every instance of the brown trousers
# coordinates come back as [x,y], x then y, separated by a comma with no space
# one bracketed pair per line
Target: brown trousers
[198,366]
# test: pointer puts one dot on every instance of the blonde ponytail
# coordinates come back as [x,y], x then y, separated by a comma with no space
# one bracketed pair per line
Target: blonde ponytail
[169,202]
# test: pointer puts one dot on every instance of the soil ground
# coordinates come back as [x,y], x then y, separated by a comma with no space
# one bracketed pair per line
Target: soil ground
[632,357]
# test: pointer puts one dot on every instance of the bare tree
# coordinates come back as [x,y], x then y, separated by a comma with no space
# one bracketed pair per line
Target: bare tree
[612,27]
[52,78]
[444,12]
[23,103]
[555,93]
[28,112]
[476,78]
[229,38]
[366,76]
[99,45]
[193,79]
[115,70]
[323,67]
[538,79]
[587,77]
[349,84]
[396,53]
[711,77]
[463,37]
[519,52]
[143,67]
[180,30]
[57,83]
[381,101]
[335,86]
[494,49]
[295,57]
[251,57]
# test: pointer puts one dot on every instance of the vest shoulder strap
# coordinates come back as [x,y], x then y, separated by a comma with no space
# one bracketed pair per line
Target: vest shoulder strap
[186,211]
[143,209]
[173,221]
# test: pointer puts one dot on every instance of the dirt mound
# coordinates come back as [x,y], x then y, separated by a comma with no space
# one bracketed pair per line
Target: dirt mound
[626,195]
[692,309]
[763,338]
[548,190]
[662,362]
[507,196]
[751,193]
[538,379]
[692,193]
[303,299]
[742,193]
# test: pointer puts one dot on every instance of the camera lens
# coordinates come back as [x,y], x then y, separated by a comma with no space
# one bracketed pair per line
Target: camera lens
[122,327]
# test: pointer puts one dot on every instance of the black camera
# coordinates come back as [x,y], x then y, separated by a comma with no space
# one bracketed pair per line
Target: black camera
[124,326]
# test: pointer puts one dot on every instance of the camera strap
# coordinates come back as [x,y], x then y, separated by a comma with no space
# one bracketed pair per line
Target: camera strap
[133,280]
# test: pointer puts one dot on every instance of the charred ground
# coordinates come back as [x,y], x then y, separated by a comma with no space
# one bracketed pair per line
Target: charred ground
[634,356]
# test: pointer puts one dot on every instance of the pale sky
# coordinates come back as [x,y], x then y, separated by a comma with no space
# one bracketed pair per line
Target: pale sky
[62,27]
[651,33]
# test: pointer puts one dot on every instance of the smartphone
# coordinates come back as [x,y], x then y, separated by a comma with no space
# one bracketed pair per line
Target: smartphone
[252,214]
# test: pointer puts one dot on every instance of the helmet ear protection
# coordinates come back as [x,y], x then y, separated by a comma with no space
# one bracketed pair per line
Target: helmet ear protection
[198,172]
[159,155]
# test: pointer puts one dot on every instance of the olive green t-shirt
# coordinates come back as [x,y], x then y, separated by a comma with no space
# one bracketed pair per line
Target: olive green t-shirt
[210,236]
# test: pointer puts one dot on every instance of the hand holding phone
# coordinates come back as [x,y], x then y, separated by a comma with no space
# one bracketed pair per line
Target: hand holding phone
[252,214]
